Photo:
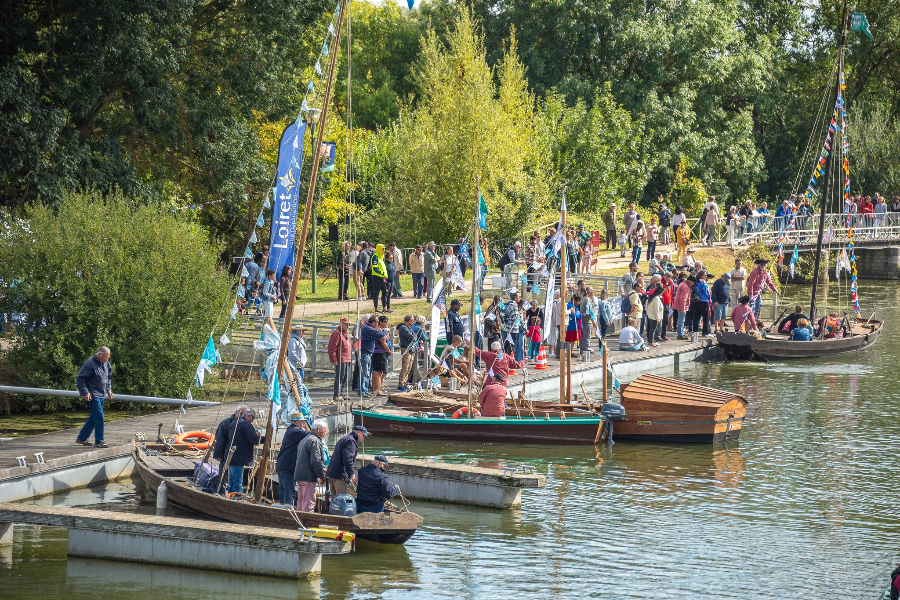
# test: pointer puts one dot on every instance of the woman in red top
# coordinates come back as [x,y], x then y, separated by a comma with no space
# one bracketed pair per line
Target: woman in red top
[866,209]
[667,296]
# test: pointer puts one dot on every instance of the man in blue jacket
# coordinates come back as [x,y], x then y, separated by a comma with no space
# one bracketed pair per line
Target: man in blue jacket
[287,459]
[721,296]
[373,487]
[94,383]
[244,439]
[340,470]
[700,299]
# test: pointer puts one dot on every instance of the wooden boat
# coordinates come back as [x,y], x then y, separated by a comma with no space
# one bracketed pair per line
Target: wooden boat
[385,528]
[739,346]
[657,409]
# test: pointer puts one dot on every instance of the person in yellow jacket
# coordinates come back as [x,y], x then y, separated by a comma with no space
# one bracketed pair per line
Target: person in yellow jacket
[379,282]
[683,238]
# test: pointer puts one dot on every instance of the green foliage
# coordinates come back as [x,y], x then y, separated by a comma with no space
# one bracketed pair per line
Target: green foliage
[154,97]
[687,192]
[874,150]
[599,151]
[111,271]
[465,128]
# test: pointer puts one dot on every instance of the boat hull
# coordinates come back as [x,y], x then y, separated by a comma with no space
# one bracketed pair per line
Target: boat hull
[738,346]
[385,528]
[685,429]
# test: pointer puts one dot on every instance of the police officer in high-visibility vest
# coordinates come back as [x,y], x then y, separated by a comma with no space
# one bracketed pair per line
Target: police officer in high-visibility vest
[373,487]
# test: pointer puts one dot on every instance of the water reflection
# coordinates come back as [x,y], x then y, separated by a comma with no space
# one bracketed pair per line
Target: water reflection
[803,505]
[86,576]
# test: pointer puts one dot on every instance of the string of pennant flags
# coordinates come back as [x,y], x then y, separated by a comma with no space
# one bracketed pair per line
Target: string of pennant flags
[211,352]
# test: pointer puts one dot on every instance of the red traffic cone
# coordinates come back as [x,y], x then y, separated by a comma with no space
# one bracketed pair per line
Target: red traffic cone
[542,359]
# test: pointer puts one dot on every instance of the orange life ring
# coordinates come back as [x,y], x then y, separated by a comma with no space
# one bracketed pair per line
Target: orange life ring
[188,435]
[465,411]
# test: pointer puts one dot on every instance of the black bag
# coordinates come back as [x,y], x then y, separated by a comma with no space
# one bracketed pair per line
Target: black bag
[626,306]
[504,260]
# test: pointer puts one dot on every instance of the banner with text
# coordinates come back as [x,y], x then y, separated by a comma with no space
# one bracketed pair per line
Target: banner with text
[287,197]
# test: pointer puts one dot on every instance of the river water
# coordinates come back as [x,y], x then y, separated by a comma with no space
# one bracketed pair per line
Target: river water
[804,505]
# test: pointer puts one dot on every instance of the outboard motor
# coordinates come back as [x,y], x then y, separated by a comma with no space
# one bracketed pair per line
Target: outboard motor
[609,413]
[344,505]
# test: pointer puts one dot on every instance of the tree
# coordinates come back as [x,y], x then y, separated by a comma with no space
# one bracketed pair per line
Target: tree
[154,97]
[599,151]
[463,128]
[109,270]
[874,150]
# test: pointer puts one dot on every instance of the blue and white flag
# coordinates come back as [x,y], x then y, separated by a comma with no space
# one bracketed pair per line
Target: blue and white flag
[482,212]
[260,220]
[209,353]
[324,49]
[464,253]
[287,198]
[248,253]
[253,237]
[794,258]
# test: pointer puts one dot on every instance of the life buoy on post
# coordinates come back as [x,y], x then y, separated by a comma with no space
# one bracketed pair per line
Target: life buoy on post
[192,435]
[464,411]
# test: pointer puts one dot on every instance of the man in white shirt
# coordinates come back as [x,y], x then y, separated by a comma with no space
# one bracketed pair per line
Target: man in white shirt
[629,338]
[738,276]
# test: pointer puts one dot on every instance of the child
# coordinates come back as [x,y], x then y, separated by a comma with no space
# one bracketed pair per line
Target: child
[534,334]
[605,317]
[242,295]
[257,302]
[623,240]
[586,252]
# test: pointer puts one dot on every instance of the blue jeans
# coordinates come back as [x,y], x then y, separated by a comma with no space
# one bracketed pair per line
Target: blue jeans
[287,488]
[681,314]
[634,348]
[519,353]
[365,373]
[94,421]
[636,254]
[236,478]
[756,305]
[418,284]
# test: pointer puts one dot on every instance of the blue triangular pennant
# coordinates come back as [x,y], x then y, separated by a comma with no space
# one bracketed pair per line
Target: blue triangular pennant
[209,353]
[248,253]
[260,221]
[311,87]
[324,49]
[253,238]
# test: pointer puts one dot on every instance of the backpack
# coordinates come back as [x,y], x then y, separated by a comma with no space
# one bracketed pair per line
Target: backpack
[504,260]
[626,306]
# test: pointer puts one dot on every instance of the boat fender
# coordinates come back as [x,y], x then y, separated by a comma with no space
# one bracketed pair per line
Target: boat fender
[162,495]
[193,435]
[465,411]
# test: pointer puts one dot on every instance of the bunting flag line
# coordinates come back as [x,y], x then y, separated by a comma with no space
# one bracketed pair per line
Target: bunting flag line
[253,238]
[267,203]
[248,253]
[224,340]
[260,220]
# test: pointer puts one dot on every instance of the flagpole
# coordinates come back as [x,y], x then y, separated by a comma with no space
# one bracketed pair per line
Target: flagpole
[474,295]
[298,262]
[823,205]
[563,350]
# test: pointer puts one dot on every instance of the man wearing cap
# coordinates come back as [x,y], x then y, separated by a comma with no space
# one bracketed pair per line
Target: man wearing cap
[629,219]
[373,487]
[417,268]
[310,466]
[430,263]
[496,362]
[758,278]
[721,296]
[609,221]
[340,470]
[689,261]
[454,322]
[287,459]
[243,437]
[493,397]
[339,356]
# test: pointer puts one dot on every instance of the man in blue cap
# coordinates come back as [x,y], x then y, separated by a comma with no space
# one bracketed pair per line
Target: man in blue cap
[287,458]
[373,487]
[340,470]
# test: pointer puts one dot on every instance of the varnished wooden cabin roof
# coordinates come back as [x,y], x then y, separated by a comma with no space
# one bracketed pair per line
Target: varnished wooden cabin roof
[655,388]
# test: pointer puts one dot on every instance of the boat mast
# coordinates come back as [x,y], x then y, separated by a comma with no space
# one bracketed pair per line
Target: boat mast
[298,262]
[474,254]
[826,189]
[563,362]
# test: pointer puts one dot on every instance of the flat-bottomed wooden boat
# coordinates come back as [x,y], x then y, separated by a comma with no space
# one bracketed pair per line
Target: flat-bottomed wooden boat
[658,409]
[386,528]
[739,346]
